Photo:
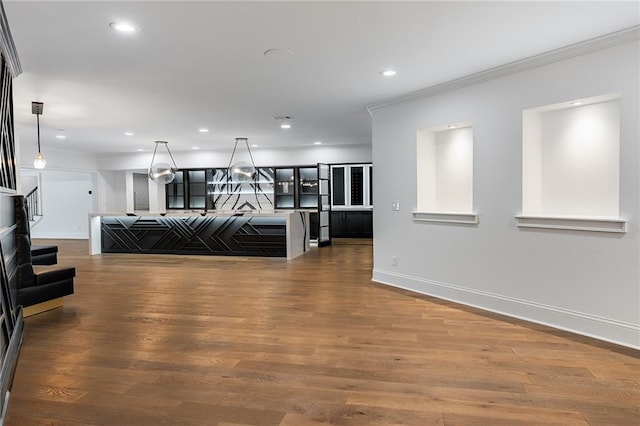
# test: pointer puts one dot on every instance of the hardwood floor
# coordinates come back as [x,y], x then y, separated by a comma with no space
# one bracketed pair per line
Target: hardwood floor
[195,340]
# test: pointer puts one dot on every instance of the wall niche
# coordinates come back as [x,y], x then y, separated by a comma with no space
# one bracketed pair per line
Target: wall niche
[571,165]
[445,174]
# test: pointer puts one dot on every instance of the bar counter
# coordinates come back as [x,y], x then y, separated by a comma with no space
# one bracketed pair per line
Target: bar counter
[272,234]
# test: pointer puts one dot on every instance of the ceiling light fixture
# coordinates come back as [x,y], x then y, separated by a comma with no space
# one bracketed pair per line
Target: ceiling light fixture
[36,108]
[576,103]
[124,27]
[242,172]
[195,147]
[162,173]
[203,130]
[128,133]
[452,126]
[139,149]
[317,143]
[388,73]
[278,52]
[285,126]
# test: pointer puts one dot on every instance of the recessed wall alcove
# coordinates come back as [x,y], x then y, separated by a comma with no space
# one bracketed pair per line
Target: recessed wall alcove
[445,174]
[571,165]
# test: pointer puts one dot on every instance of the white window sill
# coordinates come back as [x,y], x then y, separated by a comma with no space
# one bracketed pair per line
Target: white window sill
[464,218]
[573,223]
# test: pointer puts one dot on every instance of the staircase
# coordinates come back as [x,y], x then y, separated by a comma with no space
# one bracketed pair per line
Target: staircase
[34,209]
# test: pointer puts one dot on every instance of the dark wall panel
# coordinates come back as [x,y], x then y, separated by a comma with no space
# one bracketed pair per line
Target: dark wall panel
[207,235]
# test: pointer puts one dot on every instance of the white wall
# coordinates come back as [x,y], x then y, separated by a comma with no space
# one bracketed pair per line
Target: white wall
[262,157]
[66,204]
[57,159]
[112,194]
[580,160]
[587,282]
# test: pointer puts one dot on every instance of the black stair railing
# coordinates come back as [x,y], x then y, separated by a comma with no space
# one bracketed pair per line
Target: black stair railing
[33,205]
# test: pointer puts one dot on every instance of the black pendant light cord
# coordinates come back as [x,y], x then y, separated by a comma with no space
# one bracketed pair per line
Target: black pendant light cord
[38,125]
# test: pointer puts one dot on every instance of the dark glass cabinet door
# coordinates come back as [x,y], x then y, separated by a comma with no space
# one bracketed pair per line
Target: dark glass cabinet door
[197,189]
[175,192]
[285,188]
[337,183]
[308,187]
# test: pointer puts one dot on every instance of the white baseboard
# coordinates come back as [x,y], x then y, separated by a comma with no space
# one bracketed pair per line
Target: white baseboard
[60,236]
[606,329]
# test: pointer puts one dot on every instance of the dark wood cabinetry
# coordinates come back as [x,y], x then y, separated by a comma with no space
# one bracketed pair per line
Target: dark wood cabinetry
[352,224]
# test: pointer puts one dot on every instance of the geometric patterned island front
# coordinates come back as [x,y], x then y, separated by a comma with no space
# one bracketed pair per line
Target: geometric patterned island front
[207,235]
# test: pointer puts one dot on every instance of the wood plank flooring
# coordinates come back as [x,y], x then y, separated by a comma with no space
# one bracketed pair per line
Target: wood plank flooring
[196,340]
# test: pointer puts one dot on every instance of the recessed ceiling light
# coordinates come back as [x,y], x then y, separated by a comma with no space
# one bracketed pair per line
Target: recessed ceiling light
[124,27]
[139,149]
[317,143]
[61,137]
[452,126]
[128,133]
[388,73]
[278,52]
[285,126]
[203,130]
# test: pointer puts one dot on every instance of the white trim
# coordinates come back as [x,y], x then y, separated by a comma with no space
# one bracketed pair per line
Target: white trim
[606,329]
[577,49]
[4,231]
[441,217]
[572,223]
[7,46]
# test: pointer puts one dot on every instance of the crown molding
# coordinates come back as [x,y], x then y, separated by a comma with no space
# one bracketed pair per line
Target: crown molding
[7,46]
[577,49]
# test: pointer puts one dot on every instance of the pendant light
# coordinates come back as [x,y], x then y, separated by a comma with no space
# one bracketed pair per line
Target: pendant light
[37,108]
[242,171]
[162,173]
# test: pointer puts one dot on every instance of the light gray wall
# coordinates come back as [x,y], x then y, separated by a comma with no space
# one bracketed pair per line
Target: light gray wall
[57,159]
[586,282]
[112,191]
[66,204]
[262,157]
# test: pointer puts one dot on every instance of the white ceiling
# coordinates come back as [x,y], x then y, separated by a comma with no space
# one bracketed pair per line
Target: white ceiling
[202,64]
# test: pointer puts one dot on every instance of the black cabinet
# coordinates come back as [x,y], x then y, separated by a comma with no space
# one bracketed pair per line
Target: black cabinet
[175,192]
[351,186]
[352,224]
[296,187]
[214,189]
[352,200]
